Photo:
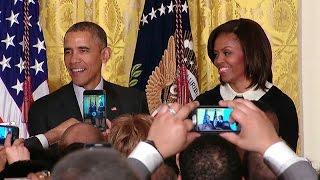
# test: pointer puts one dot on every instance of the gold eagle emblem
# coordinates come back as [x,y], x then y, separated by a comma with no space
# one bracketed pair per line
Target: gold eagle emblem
[161,84]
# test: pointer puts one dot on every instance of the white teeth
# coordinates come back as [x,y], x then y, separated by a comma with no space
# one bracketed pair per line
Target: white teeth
[223,69]
[77,70]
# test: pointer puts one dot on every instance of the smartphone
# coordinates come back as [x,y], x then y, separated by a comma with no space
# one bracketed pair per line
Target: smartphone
[4,130]
[94,108]
[214,119]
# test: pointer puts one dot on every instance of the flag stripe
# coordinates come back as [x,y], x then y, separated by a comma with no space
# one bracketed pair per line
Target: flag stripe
[41,91]
[10,112]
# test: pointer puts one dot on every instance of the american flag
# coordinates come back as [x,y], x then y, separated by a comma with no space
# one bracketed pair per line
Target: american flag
[160,20]
[23,63]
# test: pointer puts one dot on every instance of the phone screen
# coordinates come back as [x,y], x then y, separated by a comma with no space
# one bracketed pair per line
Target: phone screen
[94,108]
[4,130]
[214,119]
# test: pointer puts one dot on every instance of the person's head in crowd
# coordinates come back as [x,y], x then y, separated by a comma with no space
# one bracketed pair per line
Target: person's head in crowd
[97,163]
[210,157]
[80,133]
[164,172]
[242,53]
[256,168]
[69,149]
[128,130]
[85,50]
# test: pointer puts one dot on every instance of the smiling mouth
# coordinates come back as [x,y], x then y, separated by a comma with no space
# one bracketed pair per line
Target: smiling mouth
[223,69]
[76,70]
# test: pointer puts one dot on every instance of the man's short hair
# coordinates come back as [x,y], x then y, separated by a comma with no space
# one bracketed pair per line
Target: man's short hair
[98,164]
[91,27]
[128,130]
[210,157]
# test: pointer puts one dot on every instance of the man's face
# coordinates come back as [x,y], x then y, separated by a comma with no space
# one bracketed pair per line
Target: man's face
[83,58]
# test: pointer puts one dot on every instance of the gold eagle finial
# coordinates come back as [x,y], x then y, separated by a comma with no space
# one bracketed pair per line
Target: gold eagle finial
[162,79]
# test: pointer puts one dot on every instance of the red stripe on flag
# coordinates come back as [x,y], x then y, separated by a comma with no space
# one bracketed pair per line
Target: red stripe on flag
[27,99]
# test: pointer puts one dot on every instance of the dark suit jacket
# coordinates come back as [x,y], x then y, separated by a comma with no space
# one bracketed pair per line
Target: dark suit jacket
[139,169]
[55,108]
[299,170]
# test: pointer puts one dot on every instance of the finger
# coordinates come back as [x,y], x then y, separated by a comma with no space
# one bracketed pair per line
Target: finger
[18,142]
[231,137]
[224,103]
[189,124]
[186,109]
[162,110]
[240,110]
[74,120]
[26,153]
[238,116]
[242,106]
[235,104]
[109,124]
[247,103]
[155,112]
[175,106]
[7,142]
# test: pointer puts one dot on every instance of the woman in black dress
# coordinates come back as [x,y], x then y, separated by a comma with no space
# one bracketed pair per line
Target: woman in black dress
[241,52]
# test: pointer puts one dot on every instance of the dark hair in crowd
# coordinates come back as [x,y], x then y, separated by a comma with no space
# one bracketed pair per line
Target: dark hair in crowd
[210,157]
[91,27]
[255,46]
[98,164]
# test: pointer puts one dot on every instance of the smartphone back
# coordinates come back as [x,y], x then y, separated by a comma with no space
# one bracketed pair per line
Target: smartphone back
[94,108]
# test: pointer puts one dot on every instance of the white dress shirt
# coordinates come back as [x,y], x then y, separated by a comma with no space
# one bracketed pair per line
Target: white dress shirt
[280,156]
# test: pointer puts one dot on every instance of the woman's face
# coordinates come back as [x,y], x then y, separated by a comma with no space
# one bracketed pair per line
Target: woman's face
[229,59]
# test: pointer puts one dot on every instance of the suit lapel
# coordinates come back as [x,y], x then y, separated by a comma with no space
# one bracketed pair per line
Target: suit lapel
[70,104]
[113,107]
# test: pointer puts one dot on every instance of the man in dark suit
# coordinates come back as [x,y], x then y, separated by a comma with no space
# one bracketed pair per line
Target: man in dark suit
[85,50]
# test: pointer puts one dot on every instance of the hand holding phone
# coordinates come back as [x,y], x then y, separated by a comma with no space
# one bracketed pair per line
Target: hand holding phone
[94,108]
[214,119]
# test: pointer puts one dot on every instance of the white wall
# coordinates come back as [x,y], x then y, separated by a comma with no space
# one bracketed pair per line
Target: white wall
[310,79]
